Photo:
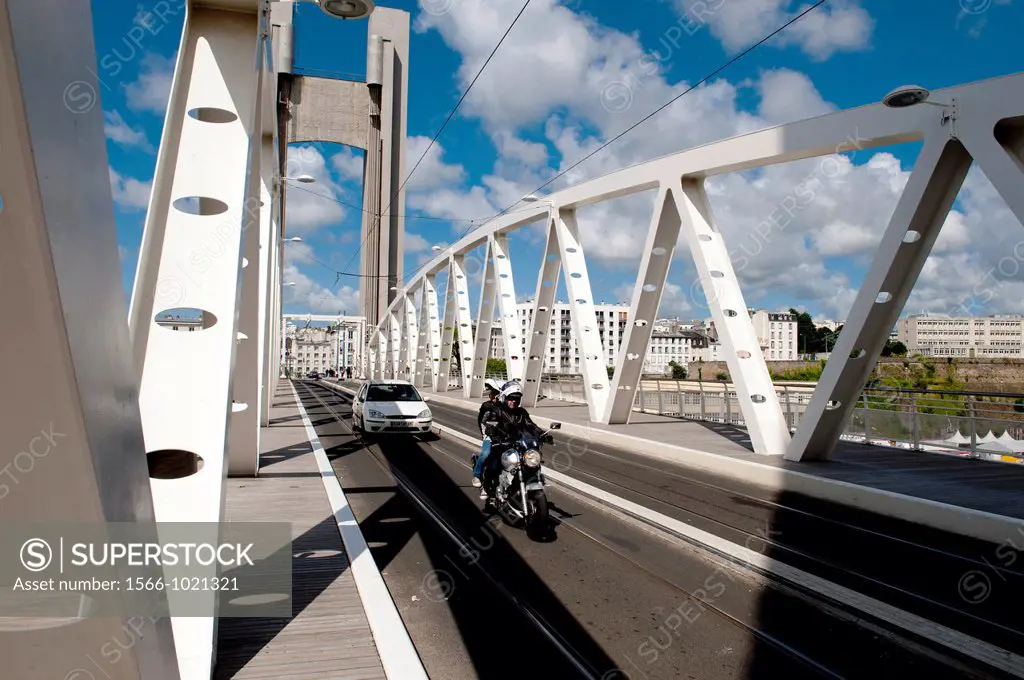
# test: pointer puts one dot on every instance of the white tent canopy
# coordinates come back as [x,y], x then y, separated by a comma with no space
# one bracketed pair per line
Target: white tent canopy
[957,439]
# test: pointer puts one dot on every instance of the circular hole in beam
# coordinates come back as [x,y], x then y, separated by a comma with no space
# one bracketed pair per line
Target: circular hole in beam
[200,205]
[597,386]
[185,316]
[757,398]
[658,250]
[238,406]
[832,405]
[883,297]
[857,353]
[209,114]
[716,274]
[650,288]
[704,237]
[173,464]
[912,236]
[729,312]
[743,354]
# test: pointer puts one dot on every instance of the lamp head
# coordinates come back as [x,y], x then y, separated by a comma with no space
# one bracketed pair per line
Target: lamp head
[907,95]
[347,9]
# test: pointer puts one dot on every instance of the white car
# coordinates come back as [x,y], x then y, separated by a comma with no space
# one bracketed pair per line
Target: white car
[390,406]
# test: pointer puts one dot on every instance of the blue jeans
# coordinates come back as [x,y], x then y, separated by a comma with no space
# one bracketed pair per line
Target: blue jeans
[485,450]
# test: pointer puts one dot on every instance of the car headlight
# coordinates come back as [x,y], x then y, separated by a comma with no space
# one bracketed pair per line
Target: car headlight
[425,413]
[374,414]
[531,458]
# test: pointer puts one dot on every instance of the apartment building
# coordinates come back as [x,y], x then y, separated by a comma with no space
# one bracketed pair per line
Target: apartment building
[337,346]
[947,336]
[776,334]
[563,356]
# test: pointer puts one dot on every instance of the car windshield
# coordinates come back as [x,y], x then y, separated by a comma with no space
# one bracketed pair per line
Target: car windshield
[392,393]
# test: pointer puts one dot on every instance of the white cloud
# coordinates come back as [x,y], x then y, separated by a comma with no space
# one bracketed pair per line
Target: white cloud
[128,192]
[152,89]
[308,296]
[840,25]
[348,163]
[123,134]
[312,206]
[599,81]
[432,171]
[414,243]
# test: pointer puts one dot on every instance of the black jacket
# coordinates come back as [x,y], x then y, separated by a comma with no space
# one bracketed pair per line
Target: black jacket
[485,408]
[510,422]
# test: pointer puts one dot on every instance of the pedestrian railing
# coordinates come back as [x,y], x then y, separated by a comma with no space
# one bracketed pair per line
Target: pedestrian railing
[977,424]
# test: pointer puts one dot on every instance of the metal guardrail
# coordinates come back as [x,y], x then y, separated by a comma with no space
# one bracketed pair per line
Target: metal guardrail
[981,425]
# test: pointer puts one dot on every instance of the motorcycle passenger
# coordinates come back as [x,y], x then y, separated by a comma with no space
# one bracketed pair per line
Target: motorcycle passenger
[512,419]
[484,420]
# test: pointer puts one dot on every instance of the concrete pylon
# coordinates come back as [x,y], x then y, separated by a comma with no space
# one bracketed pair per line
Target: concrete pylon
[372,116]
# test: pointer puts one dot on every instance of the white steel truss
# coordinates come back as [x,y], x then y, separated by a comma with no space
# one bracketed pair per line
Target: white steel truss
[431,334]
[447,333]
[540,324]
[395,344]
[511,330]
[650,285]
[485,317]
[983,117]
[458,282]
[198,253]
[410,342]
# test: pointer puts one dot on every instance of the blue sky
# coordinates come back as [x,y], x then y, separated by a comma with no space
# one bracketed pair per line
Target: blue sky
[544,102]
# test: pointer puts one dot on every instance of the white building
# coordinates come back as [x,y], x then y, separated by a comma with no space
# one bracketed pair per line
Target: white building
[776,334]
[562,355]
[946,336]
[679,346]
[337,346]
[829,324]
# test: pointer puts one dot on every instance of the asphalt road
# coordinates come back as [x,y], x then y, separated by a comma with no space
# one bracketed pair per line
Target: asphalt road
[607,597]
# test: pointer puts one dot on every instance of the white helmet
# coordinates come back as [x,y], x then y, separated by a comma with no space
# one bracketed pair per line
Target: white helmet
[511,388]
[493,385]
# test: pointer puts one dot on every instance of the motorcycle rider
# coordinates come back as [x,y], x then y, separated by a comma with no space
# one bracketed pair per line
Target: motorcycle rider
[492,388]
[511,419]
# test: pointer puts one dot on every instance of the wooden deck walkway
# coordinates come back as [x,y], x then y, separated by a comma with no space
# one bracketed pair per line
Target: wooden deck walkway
[328,636]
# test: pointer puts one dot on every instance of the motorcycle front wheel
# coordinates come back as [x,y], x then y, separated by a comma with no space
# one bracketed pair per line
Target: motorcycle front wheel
[538,518]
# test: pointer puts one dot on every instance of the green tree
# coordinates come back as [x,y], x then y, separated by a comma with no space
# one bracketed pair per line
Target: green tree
[894,348]
[497,367]
[722,376]
[806,333]
[678,370]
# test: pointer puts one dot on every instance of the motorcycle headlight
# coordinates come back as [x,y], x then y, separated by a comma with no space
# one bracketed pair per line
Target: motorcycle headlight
[425,413]
[374,414]
[510,459]
[531,458]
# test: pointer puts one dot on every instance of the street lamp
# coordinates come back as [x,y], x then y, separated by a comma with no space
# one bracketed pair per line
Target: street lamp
[909,95]
[346,9]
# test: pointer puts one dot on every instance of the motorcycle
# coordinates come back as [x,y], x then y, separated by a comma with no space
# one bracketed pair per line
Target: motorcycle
[518,493]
